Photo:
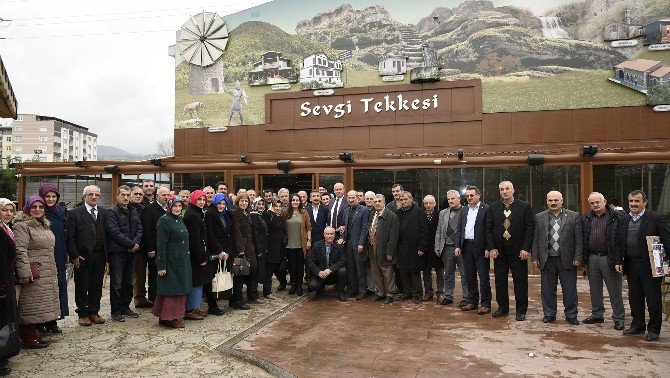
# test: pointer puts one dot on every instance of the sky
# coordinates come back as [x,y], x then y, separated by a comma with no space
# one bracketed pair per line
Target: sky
[105,65]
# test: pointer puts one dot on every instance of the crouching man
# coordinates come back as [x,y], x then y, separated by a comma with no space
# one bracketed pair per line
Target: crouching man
[327,265]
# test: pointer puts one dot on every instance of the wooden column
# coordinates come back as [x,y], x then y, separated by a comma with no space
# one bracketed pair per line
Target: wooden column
[585,185]
[348,179]
[21,191]
[116,182]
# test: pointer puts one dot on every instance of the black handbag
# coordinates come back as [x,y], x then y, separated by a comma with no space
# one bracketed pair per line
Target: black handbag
[241,266]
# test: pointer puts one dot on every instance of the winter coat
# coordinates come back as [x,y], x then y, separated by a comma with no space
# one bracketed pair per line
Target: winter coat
[172,255]
[38,302]
[614,255]
[412,237]
[124,229]
[432,260]
[242,235]
[219,237]
[276,235]
[194,219]
[58,218]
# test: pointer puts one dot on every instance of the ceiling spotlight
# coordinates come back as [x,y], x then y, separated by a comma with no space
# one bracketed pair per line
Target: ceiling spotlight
[158,162]
[589,151]
[245,159]
[284,165]
[535,159]
[111,169]
[347,157]
[461,154]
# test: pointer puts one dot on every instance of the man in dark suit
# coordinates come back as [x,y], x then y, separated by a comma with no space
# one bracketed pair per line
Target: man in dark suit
[642,286]
[318,215]
[337,208]
[149,188]
[87,248]
[353,238]
[382,243]
[146,258]
[557,251]
[433,260]
[471,243]
[509,237]
[327,265]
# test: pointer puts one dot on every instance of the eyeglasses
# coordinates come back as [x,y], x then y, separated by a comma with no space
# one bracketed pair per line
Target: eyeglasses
[37,207]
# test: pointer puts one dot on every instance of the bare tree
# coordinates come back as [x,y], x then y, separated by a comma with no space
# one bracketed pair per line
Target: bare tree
[165,147]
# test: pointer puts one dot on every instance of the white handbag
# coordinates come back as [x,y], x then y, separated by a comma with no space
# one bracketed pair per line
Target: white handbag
[222,281]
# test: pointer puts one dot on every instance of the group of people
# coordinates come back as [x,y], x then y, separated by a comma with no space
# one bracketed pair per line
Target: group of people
[353,240]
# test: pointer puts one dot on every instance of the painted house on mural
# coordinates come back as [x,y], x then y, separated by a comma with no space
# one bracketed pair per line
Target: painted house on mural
[661,76]
[205,80]
[318,71]
[272,69]
[393,65]
[657,32]
[636,74]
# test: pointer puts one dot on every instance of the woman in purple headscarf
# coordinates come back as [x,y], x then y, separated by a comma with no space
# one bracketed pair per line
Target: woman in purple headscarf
[56,215]
[36,268]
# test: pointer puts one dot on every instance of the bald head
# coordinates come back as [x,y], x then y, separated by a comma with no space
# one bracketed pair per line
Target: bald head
[555,201]
[597,202]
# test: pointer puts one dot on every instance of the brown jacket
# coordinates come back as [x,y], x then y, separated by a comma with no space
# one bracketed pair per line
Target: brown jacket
[38,301]
[305,230]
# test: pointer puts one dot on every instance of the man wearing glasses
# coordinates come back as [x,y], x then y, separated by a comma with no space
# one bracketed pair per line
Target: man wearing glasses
[87,250]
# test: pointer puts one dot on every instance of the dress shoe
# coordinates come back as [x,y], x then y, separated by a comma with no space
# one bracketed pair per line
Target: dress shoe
[499,313]
[548,319]
[633,331]
[463,303]
[118,318]
[193,315]
[298,291]
[215,311]
[257,301]
[130,313]
[85,322]
[446,301]
[199,312]
[651,336]
[484,310]
[378,298]
[35,344]
[618,325]
[240,306]
[270,297]
[572,321]
[96,319]
[52,328]
[593,320]
[440,298]
[41,329]
[388,300]
[281,287]
[427,297]
[520,317]
[469,307]
[341,297]
[291,291]
[144,304]
[360,296]
[416,299]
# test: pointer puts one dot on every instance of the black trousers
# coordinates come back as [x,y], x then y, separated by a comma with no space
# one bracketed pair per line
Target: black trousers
[553,272]
[411,283]
[296,265]
[643,287]
[251,280]
[88,284]
[340,278]
[508,259]
[270,269]
[121,272]
[238,283]
[474,264]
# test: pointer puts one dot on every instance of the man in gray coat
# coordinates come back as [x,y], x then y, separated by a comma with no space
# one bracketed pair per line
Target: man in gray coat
[382,243]
[445,236]
[557,251]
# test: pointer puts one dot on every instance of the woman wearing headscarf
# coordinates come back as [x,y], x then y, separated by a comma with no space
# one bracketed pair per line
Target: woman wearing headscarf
[36,268]
[219,243]
[194,219]
[174,267]
[56,215]
[276,224]
[299,233]
[8,310]
[244,246]
[260,239]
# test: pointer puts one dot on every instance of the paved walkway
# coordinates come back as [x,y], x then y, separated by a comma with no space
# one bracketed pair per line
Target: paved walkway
[322,337]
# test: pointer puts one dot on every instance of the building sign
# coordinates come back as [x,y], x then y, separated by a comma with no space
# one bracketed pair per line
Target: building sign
[387,103]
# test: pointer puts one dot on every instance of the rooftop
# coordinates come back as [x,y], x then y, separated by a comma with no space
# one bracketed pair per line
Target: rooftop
[638,64]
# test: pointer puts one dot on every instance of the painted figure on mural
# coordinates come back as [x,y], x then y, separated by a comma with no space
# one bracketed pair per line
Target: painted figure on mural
[238,94]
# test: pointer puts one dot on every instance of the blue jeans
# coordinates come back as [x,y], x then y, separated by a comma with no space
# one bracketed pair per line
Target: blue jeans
[194,298]
[121,270]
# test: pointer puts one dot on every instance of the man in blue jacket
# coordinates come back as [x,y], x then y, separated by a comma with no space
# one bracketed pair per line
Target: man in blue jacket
[355,223]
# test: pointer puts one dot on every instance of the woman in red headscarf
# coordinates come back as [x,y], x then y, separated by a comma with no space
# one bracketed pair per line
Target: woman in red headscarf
[194,218]
[36,267]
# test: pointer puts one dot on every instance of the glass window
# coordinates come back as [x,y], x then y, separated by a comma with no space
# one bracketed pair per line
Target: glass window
[18,138]
[328,180]
[615,181]
[244,182]
[565,179]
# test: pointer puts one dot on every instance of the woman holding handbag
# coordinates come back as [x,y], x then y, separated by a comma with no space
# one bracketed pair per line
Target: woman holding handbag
[276,234]
[219,243]
[36,268]
[299,231]
[194,219]
[174,266]
[260,239]
[244,247]
[56,215]
[8,310]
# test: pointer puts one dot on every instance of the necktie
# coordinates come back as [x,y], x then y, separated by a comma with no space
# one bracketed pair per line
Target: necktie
[95,218]
[327,256]
[333,221]
[8,231]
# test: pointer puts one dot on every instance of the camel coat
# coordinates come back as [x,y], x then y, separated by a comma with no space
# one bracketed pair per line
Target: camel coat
[305,230]
[38,301]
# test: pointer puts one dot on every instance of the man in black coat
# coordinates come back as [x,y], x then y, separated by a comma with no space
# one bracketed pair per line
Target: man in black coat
[509,238]
[124,235]
[327,265]
[471,243]
[412,245]
[642,286]
[87,248]
[433,260]
[318,215]
[146,258]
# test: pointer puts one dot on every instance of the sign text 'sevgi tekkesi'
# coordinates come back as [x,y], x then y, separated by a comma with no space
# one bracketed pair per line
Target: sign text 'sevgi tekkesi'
[388,104]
